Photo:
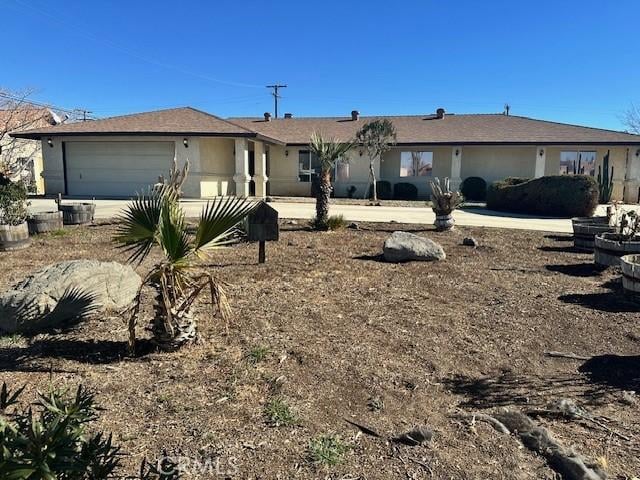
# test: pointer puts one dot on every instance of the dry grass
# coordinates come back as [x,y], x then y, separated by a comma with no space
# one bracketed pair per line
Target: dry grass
[337,334]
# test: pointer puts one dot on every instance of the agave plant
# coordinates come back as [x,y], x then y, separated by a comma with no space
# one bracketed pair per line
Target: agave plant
[157,219]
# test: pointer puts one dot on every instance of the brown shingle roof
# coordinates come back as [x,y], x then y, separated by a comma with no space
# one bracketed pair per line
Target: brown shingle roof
[174,121]
[412,129]
[452,129]
[25,117]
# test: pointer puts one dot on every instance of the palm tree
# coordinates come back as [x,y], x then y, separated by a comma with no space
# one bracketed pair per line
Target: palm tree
[328,153]
[376,137]
[157,219]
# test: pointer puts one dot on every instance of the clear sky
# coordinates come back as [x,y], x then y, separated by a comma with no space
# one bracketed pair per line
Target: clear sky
[569,61]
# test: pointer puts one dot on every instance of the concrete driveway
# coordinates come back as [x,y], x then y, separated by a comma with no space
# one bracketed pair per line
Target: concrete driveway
[479,217]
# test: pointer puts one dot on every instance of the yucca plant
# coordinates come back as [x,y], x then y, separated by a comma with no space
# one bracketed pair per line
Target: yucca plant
[328,152]
[157,219]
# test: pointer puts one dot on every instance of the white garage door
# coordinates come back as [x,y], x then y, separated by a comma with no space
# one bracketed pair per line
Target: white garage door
[115,169]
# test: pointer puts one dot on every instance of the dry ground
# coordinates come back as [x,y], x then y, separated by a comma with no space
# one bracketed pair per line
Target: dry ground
[335,333]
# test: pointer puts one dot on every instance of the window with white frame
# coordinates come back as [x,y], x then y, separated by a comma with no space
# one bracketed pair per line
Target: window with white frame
[578,162]
[341,173]
[416,164]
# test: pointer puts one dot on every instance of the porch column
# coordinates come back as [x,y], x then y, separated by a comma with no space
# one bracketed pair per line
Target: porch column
[456,168]
[241,177]
[260,163]
[541,158]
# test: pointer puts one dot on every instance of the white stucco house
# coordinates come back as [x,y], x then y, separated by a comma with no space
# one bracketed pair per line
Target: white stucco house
[119,156]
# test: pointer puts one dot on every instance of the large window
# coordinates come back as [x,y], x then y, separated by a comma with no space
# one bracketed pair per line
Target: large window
[581,163]
[416,164]
[309,168]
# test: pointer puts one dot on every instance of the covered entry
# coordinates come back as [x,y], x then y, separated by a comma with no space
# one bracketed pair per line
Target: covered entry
[114,169]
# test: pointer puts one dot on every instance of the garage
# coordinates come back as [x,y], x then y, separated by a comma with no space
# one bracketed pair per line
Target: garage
[114,169]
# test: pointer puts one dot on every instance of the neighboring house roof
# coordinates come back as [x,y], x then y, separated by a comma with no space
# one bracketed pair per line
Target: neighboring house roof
[467,129]
[174,121]
[26,118]
[453,129]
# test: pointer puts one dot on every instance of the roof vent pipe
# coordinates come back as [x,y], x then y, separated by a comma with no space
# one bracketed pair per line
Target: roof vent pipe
[440,113]
[267,117]
[355,115]
[288,115]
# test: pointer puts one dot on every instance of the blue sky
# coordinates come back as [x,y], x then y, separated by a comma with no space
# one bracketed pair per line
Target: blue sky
[569,61]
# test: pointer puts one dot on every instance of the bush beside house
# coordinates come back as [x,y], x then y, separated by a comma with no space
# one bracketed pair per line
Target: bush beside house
[474,188]
[405,191]
[560,195]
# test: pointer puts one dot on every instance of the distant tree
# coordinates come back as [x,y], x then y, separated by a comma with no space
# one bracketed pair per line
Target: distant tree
[632,119]
[376,137]
[17,113]
[328,152]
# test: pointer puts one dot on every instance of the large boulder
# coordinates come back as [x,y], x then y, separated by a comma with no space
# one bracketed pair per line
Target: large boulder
[65,292]
[404,247]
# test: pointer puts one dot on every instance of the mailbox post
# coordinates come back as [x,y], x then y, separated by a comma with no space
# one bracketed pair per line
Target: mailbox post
[263,227]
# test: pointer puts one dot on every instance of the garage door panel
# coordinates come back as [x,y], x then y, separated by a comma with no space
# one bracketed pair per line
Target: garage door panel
[115,169]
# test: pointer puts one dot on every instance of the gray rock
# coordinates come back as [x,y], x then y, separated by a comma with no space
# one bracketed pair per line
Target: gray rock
[470,242]
[404,246]
[353,226]
[66,292]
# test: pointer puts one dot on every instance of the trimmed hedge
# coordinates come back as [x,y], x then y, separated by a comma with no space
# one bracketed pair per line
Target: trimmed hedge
[405,191]
[474,188]
[559,196]
[383,189]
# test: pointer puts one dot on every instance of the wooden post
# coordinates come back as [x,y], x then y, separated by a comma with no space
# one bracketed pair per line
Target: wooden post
[262,251]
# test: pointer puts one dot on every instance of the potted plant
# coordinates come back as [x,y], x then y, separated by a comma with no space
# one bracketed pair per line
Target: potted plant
[443,203]
[14,233]
[585,229]
[625,240]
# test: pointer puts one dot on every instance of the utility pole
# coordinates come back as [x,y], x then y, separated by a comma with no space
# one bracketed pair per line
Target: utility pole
[83,112]
[276,96]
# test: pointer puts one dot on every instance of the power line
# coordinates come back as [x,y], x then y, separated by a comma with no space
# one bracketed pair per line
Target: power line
[276,96]
[53,107]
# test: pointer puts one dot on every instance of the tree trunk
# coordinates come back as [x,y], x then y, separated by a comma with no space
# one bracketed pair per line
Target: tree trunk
[374,186]
[323,195]
[183,323]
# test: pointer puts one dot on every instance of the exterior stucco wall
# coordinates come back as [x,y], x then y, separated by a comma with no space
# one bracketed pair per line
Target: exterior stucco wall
[13,148]
[390,168]
[217,163]
[496,162]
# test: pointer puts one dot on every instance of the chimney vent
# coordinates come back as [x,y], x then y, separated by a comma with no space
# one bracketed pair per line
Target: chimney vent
[267,117]
[440,113]
[355,115]
[288,115]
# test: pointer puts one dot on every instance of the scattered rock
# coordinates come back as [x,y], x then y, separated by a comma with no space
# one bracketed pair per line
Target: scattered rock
[353,226]
[65,292]
[268,199]
[415,437]
[404,246]
[470,242]
[290,222]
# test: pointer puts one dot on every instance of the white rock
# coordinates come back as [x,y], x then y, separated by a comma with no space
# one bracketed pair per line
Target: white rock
[404,246]
[44,299]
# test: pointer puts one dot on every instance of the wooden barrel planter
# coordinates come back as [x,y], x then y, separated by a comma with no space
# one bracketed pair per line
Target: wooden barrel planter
[630,265]
[44,222]
[585,230]
[444,222]
[77,213]
[14,237]
[609,247]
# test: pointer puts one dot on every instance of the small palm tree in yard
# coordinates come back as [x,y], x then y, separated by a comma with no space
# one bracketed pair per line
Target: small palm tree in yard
[156,219]
[328,152]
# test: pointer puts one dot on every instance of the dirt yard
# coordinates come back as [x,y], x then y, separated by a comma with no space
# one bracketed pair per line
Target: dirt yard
[335,334]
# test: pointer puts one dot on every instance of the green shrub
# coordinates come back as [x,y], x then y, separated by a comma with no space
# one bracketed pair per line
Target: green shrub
[13,202]
[474,188]
[51,438]
[333,222]
[327,450]
[405,191]
[559,196]
[383,189]
[279,413]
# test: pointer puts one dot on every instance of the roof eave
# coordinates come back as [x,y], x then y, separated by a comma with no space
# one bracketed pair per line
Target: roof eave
[39,135]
